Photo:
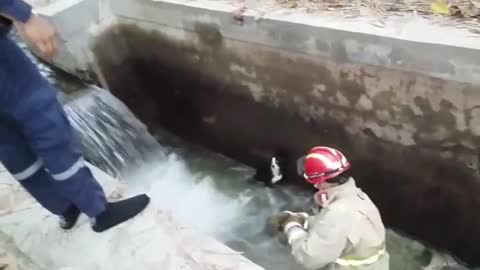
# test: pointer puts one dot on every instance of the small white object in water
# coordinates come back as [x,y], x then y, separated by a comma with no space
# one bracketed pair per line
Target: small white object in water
[441,262]
[276,172]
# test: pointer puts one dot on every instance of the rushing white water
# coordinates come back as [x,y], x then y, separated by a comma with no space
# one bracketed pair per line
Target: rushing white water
[112,138]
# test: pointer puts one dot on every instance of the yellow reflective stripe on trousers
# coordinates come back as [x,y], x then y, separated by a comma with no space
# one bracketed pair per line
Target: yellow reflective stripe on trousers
[367,261]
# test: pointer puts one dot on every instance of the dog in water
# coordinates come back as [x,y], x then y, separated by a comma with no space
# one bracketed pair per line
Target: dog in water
[282,170]
[279,169]
[270,172]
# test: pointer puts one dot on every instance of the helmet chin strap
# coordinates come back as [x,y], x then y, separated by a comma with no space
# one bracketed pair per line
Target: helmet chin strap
[339,180]
[325,185]
[333,182]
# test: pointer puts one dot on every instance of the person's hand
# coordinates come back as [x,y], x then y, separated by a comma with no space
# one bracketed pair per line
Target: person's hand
[40,33]
[278,222]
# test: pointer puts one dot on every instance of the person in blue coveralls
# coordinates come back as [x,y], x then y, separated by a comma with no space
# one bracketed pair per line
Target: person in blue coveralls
[37,144]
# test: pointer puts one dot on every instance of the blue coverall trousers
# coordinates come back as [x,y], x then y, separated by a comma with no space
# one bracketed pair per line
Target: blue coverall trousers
[37,142]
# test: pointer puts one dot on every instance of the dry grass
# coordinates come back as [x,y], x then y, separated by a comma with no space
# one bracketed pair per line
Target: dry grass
[460,13]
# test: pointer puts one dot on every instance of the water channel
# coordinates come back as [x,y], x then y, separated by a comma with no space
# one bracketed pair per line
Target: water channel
[204,189]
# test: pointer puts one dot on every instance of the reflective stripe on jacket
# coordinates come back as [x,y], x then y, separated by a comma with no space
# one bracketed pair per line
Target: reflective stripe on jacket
[357,262]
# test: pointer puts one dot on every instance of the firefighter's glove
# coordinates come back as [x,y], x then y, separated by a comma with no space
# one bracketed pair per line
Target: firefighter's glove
[278,222]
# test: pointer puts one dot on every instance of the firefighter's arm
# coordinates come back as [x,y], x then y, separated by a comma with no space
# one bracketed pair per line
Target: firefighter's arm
[15,10]
[322,244]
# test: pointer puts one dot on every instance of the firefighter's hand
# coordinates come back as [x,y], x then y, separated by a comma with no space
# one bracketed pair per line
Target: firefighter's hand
[277,223]
[40,33]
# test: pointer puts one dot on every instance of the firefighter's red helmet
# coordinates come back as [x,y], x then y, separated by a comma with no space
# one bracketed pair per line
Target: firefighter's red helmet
[322,163]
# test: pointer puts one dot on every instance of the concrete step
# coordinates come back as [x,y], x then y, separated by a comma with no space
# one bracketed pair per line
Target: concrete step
[31,238]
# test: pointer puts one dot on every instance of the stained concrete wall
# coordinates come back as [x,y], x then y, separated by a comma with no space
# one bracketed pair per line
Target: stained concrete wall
[401,101]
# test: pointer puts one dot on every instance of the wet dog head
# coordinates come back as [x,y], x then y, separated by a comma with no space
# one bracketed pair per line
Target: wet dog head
[270,172]
[275,170]
[279,169]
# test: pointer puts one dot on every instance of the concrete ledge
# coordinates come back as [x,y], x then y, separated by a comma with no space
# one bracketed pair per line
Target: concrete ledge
[407,43]
[151,241]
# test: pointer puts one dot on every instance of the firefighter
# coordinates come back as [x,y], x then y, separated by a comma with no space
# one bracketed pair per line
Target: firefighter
[348,232]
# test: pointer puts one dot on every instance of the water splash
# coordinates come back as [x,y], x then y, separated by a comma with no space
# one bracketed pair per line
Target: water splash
[111,137]
[235,214]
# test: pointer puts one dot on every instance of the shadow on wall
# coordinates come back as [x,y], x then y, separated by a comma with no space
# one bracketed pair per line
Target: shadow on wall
[228,96]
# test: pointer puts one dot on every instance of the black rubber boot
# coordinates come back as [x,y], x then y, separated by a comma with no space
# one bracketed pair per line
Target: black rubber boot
[119,212]
[69,218]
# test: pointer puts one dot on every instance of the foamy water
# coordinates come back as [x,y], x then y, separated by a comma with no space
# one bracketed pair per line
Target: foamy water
[233,214]
[192,197]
